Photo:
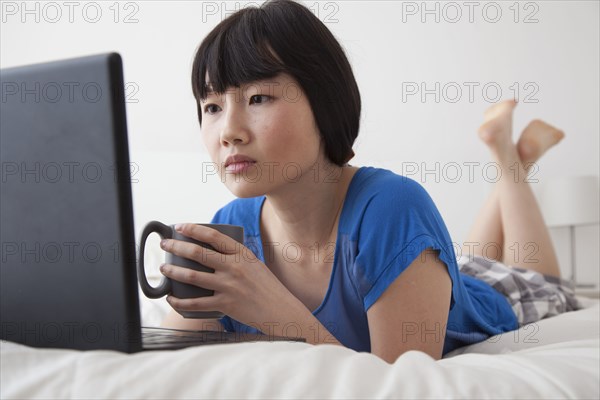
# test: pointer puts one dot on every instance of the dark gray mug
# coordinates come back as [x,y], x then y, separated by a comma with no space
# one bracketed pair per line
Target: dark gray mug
[170,286]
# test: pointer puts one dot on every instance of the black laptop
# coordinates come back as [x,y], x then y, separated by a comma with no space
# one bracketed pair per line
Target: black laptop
[68,268]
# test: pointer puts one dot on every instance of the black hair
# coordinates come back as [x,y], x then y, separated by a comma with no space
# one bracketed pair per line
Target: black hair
[282,36]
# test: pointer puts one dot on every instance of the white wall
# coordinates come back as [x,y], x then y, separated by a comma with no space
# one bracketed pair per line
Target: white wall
[553,58]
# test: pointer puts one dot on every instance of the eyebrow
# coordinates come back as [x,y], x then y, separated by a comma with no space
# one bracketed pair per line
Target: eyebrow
[211,92]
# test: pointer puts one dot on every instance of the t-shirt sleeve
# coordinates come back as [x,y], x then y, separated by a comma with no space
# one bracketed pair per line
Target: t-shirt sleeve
[399,221]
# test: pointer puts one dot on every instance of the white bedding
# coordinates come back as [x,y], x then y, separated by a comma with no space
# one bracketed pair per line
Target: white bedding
[559,357]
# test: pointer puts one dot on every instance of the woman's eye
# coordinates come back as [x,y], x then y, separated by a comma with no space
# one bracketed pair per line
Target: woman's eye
[210,108]
[259,98]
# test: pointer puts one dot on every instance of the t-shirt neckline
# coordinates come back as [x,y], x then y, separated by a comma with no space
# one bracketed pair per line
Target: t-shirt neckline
[349,194]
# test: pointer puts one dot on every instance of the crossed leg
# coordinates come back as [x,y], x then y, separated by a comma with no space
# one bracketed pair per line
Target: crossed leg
[510,221]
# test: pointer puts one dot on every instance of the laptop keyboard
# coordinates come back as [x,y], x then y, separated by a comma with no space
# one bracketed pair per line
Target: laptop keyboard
[162,338]
[165,334]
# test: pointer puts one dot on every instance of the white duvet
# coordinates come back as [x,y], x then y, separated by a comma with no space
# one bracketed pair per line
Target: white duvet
[557,357]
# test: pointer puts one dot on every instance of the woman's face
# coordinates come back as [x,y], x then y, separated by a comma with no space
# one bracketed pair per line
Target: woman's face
[261,136]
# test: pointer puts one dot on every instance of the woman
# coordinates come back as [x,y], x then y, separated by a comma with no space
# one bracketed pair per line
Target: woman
[333,253]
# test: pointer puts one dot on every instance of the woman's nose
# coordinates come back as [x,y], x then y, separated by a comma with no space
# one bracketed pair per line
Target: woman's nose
[234,129]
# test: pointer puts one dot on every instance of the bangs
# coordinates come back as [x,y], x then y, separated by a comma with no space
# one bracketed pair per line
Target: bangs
[236,54]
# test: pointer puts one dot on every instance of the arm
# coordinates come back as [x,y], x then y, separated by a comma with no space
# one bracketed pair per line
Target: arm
[174,320]
[300,323]
[412,313]
[245,289]
[297,321]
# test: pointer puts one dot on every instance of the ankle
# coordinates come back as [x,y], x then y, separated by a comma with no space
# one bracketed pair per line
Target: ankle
[506,155]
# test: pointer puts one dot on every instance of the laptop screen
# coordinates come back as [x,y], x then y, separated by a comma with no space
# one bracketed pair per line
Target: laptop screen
[68,275]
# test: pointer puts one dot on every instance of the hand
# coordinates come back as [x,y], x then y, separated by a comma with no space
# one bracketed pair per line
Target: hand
[244,287]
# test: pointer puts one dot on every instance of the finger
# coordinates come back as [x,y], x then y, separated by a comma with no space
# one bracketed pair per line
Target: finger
[207,303]
[219,241]
[207,257]
[206,280]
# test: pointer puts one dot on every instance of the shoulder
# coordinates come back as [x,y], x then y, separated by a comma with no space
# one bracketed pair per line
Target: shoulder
[391,219]
[387,212]
[381,193]
[383,183]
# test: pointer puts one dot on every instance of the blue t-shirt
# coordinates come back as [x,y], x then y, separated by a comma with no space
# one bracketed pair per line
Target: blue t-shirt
[387,220]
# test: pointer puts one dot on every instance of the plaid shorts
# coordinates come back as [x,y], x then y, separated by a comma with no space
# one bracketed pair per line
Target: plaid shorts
[532,295]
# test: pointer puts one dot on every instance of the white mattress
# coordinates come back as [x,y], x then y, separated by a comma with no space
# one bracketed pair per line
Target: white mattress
[557,357]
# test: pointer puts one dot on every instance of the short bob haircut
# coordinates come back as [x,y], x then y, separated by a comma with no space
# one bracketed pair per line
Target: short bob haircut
[240,50]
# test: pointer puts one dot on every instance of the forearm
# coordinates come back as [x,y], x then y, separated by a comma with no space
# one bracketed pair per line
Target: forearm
[299,322]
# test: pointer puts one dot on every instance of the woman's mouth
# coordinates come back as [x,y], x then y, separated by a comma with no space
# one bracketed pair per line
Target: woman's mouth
[238,163]
[239,167]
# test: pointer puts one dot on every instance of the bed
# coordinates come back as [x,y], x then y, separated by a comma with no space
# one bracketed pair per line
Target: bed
[558,357]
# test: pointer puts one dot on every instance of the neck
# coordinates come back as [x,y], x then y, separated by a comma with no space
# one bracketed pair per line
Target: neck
[307,212]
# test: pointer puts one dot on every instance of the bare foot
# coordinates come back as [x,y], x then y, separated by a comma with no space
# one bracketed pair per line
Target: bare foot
[536,139]
[496,130]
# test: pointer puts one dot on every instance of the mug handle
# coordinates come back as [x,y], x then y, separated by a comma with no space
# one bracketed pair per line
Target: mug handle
[164,288]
